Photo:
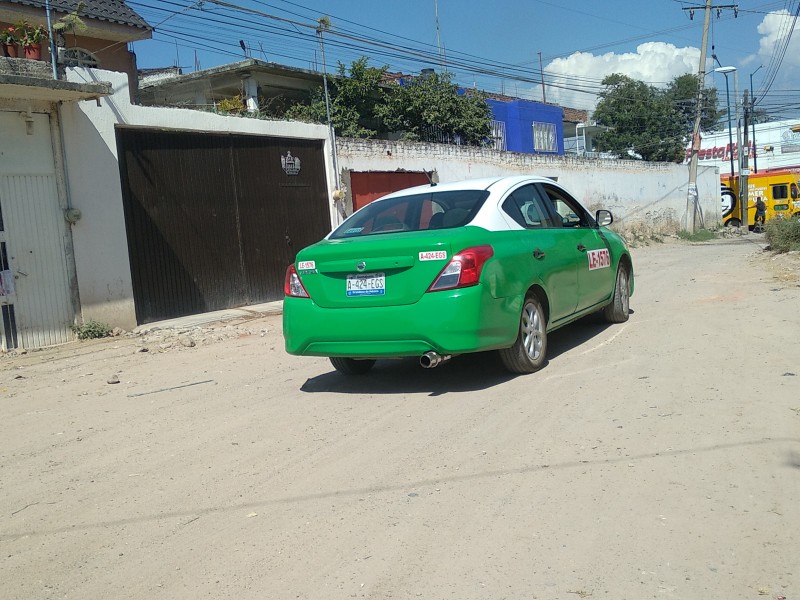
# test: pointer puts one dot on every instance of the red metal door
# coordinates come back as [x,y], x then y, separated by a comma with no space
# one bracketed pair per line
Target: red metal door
[368,186]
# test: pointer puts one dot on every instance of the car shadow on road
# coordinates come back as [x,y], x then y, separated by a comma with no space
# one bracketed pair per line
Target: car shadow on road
[465,373]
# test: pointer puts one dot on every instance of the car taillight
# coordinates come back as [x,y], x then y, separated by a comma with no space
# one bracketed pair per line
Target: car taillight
[463,270]
[292,286]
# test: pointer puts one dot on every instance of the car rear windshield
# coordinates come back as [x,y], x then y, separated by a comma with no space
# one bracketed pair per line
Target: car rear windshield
[420,212]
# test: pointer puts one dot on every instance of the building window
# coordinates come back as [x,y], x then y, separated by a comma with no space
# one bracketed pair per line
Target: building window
[498,135]
[77,57]
[544,137]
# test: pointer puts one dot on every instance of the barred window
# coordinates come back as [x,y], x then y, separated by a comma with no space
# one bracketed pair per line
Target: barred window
[544,137]
[78,57]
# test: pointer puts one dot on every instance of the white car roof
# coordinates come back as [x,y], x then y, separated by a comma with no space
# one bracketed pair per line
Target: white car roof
[484,183]
[491,217]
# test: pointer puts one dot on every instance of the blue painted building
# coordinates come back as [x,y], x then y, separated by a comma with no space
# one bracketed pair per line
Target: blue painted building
[519,125]
[530,127]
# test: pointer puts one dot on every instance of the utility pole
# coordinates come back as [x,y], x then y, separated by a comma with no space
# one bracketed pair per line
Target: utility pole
[324,24]
[541,70]
[744,171]
[753,119]
[692,197]
[742,184]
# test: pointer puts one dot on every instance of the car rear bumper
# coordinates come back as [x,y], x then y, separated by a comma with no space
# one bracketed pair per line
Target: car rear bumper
[450,322]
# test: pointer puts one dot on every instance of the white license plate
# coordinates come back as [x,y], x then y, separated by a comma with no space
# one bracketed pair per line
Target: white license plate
[366,284]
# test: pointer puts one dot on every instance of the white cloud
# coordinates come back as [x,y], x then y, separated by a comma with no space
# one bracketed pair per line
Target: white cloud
[773,30]
[656,63]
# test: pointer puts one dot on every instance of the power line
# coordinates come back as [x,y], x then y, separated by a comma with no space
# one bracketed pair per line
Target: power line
[465,62]
[779,52]
[350,42]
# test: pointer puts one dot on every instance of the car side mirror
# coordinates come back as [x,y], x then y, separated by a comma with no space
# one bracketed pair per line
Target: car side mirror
[603,217]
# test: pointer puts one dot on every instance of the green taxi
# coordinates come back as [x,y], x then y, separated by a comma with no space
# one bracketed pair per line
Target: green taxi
[440,270]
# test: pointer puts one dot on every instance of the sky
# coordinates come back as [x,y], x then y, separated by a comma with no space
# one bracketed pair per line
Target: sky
[503,46]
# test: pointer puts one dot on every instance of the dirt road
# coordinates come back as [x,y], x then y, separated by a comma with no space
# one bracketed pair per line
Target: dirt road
[655,459]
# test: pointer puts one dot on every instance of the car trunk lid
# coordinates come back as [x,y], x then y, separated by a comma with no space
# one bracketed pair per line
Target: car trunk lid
[381,270]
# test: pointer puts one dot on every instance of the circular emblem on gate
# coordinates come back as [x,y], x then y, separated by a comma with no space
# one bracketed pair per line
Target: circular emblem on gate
[361,265]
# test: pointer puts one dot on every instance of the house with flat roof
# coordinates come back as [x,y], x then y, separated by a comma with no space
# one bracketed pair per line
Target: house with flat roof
[520,125]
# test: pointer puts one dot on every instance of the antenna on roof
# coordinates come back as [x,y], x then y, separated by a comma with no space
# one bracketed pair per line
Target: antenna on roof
[442,57]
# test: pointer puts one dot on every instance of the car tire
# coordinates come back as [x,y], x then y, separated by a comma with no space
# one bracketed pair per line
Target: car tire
[733,223]
[527,355]
[619,308]
[351,366]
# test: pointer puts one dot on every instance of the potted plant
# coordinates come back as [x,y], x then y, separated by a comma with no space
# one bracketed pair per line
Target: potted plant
[9,38]
[31,38]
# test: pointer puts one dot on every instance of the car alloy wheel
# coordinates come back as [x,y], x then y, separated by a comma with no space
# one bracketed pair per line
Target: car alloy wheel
[527,355]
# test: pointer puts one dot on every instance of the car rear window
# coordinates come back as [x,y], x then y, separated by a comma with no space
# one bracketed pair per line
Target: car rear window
[420,212]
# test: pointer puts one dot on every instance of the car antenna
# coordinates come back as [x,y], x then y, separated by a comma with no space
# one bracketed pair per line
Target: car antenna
[433,177]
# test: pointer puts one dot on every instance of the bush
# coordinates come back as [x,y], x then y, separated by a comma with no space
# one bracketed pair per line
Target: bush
[233,105]
[701,235]
[783,235]
[91,330]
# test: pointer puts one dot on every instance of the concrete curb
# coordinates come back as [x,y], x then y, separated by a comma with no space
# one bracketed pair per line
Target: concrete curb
[244,313]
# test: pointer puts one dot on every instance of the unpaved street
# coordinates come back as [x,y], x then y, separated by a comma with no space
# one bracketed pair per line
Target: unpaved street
[655,459]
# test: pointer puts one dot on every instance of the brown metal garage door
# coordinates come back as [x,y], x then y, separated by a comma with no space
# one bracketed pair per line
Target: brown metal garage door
[213,219]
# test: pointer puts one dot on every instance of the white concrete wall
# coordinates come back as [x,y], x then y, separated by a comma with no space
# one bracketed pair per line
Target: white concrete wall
[90,151]
[641,195]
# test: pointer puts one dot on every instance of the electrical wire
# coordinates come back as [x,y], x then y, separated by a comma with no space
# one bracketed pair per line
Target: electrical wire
[351,43]
[784,36]
[467,63]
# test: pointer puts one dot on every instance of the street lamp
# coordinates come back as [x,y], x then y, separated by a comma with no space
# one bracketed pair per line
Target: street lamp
[725,71]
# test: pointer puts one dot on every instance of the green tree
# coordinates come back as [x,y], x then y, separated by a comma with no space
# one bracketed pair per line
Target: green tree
[427,108]
[644,122]
[682,92]
[354,98]
[432,108]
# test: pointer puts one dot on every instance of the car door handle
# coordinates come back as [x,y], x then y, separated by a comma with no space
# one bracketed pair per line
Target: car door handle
[538,254]
[581,247]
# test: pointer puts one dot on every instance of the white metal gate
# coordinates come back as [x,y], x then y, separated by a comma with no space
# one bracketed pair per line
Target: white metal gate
[38,312]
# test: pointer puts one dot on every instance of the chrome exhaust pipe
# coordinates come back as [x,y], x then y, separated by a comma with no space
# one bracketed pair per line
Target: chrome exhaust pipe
[432,359]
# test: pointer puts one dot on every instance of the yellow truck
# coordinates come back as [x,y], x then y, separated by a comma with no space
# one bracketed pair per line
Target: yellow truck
[780,191]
